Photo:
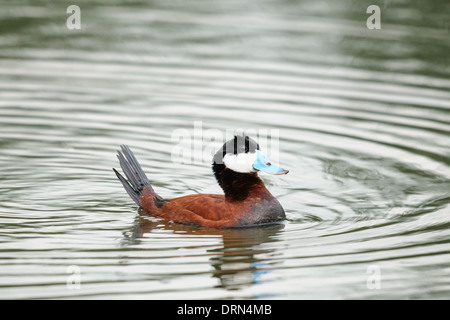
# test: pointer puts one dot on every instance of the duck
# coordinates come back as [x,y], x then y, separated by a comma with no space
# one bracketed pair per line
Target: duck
[245,202]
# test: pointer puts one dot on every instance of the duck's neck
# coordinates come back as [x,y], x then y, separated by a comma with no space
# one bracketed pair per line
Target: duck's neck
[239,186]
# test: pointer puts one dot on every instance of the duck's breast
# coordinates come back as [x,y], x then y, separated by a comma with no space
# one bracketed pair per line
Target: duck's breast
[266,210]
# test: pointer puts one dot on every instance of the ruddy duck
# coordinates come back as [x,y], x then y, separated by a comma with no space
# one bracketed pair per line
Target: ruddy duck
[246,201]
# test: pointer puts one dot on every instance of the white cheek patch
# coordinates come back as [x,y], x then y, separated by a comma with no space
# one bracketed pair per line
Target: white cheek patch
[241,162]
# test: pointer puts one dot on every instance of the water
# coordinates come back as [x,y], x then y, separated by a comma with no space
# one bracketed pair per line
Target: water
[363,119]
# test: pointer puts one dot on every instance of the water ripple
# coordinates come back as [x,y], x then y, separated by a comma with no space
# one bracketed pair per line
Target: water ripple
[364,129]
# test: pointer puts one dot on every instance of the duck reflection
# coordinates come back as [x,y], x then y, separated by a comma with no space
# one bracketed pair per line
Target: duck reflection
[242,260]
[239,262]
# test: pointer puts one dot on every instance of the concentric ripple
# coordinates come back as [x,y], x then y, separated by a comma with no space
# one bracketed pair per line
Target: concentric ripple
[363,123]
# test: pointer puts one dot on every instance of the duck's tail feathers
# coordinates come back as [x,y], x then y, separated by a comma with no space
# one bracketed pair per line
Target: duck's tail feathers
[137,180]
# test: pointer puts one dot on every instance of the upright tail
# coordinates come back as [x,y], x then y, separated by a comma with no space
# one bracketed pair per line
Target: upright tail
[137,180]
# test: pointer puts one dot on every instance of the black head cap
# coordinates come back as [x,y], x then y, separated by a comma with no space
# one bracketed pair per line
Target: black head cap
[239,144]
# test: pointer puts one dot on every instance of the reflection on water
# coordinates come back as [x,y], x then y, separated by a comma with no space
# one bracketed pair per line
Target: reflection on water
[236,262]
[364,127]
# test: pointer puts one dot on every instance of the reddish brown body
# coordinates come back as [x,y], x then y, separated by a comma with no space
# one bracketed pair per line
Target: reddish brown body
[246,202]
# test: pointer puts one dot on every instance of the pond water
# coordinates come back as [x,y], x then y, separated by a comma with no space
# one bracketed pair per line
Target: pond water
[360,117]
